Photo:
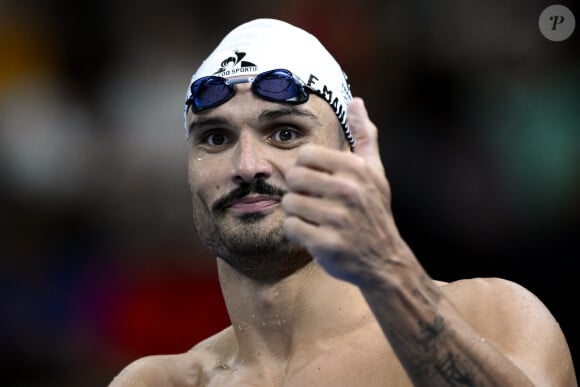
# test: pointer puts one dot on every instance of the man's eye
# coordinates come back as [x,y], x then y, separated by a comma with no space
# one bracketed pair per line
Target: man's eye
[215,139]
[284,135]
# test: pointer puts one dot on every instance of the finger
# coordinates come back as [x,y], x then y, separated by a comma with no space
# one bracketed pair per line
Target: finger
[316,183]
[364,131]
[319,243]
[307,180]
[298,230]
[328,160]
[307,234]
[314,210]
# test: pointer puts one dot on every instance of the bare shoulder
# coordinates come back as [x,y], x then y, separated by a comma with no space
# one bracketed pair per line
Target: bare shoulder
[517,322]
[184,369]
[503,310]
[498,299]
[490,292]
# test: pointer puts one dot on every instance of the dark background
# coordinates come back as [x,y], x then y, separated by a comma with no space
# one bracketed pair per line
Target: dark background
[479,128]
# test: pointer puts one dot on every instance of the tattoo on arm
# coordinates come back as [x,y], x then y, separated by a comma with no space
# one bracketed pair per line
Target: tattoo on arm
[436,351]
[448,369]
[438,354]
[430,332]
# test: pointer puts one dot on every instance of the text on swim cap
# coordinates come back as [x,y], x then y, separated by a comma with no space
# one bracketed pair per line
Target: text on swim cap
[327,94]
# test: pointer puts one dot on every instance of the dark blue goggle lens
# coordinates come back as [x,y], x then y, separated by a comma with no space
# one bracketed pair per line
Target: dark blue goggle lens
[275,85]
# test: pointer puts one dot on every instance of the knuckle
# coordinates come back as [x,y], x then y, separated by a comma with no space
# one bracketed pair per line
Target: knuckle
[289,202]
[331,242]
[285,202]
[357,163]
[349,191]
[344,188]
[364,168]
[341,218]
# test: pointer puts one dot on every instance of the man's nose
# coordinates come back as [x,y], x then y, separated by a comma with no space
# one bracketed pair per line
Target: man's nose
[250,160]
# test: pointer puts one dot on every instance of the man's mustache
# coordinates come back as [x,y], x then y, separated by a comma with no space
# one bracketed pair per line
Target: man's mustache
[256,186]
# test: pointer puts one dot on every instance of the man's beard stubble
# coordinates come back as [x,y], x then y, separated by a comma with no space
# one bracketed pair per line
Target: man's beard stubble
[241,241]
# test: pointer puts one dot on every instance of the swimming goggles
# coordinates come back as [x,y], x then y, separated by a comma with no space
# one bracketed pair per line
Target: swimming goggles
[278,85]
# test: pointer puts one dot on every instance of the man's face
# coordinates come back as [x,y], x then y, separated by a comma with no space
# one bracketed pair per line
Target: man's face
[239,153]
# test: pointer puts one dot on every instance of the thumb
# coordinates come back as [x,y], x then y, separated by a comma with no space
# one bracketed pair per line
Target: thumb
[364,132]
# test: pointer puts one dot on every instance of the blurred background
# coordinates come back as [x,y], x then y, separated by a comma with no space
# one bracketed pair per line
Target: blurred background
[479,127]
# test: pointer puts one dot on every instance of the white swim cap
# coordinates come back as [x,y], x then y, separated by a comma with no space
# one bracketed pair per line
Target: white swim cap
[267,44]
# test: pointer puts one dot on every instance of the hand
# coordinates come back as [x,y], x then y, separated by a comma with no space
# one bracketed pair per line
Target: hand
[338,205]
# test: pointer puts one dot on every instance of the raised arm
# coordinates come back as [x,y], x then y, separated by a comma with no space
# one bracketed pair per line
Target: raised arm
[339,208]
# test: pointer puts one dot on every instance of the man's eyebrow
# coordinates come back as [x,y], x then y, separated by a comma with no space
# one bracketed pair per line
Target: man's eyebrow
[202,121]
[285,111]
[267,115]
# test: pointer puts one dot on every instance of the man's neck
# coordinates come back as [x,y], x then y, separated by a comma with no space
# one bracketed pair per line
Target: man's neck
[278,320]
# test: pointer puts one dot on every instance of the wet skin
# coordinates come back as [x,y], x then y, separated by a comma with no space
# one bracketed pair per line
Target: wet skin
[320,287]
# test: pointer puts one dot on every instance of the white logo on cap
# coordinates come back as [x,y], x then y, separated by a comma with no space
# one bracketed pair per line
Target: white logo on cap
[234,64]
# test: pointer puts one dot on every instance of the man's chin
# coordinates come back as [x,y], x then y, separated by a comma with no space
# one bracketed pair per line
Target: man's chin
[271,266]
[252,217]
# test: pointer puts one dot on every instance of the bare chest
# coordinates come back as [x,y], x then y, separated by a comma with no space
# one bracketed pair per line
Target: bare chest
[344,367]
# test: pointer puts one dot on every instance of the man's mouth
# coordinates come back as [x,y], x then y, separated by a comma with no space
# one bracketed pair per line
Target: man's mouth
[249,198]
[251,204]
